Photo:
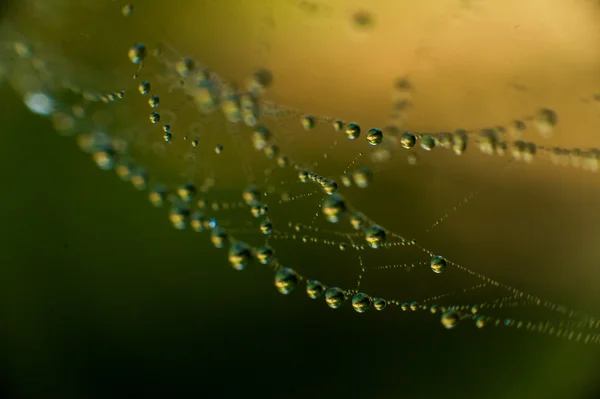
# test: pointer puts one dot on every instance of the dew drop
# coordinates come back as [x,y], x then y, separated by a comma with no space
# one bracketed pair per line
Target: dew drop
[137,53]
[449,319]
[408,140]
[240,255]
[314,289]
[286,280]
[361,302]
[375,236]
[374,136]
[437,264]
[352,131]
[334,297]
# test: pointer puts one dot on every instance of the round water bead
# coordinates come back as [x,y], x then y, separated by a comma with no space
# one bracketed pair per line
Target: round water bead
[260,137]
[361,302]
[546,121]
[303,176]
[444,140]
[308,122]
[338,125]
[266,227]
[427,142]
[218,149]
[271,151]
[362,177]
[186,192]
[362,19]
[330,187]
[314,289]
[414,306]
[240,255]
[218,237]
[124,170]
[168,136]
[179,217]
[105,158]
[139,179]
[261,80]
[375,236]
[197,221]
[286,280]
[144,87]
[379,303]
[346,179]
[408,140]
[282,161]
[459,141]
[154,118]
[251,195]
[333,208]
[480,322]
[127,10]
[158,196]
[154,101]
[40,103]
[358,221]
[185,66]
[374,136]
[449,319]
[137,53]
[334,297]
[265,254]
[343,246]
[438,264]
[352,131]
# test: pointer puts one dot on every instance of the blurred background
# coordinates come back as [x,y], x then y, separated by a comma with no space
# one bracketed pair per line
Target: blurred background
[101,297]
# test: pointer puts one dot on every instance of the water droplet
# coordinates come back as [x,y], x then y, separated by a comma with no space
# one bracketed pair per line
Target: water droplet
[334,297]
[154,101]
[361,302]
[338,125]
[379,303]
[427,142]
[408,140]
[154,118]
[374,136]
[480,322]
[39,103]
[352,131]
[375,236]
[127,10]
[144,87]
[308,122]
[240,255]
[362,177]
[265,254]
[314,289]
[333,208]
[449,319]
[286,280]
[438,264]
[266,227]
[137,53]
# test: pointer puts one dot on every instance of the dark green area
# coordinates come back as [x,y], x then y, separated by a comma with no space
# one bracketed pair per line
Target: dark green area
[101,298]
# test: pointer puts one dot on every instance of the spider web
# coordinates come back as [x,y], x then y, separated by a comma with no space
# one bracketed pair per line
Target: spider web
[207,161]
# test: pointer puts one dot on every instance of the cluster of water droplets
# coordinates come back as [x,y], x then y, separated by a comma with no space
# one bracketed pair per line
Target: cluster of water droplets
[243,107]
